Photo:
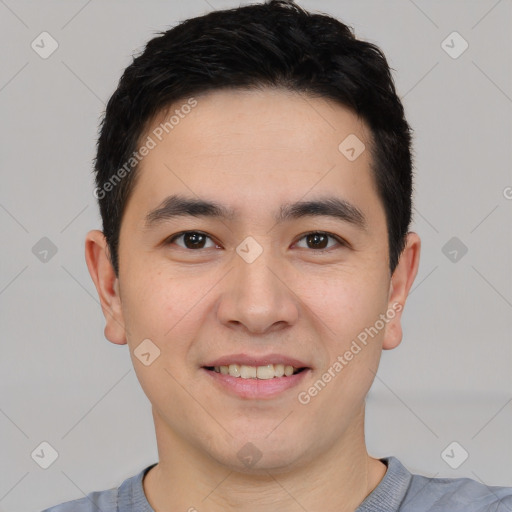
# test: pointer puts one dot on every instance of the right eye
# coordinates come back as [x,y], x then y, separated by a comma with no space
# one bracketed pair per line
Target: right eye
[191,240]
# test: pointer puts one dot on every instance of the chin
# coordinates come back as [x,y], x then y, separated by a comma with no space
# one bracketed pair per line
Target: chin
[261,455]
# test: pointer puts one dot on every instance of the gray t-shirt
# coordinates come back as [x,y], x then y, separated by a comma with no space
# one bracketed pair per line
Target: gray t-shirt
[398,491]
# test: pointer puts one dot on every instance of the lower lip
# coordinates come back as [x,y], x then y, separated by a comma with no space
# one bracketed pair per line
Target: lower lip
[256,388]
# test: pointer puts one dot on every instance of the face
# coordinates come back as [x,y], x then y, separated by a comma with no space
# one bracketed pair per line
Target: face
[254,279]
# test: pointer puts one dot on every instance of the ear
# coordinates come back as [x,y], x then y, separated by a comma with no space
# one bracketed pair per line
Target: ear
[401,282]
[107,285]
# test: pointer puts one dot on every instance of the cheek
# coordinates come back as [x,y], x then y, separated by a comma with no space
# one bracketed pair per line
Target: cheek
[169,312]
[346,303]
[162,311]
[154,305]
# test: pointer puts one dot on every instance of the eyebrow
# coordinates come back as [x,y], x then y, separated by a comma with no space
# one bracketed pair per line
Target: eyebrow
[180,206]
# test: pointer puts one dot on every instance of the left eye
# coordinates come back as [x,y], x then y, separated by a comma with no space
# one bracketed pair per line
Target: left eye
[319,240]
[197,240]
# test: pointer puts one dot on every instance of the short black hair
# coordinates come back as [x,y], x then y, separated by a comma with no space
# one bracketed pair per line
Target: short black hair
[276,44]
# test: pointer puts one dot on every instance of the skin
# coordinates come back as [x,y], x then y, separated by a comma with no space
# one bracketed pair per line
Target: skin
[254,151]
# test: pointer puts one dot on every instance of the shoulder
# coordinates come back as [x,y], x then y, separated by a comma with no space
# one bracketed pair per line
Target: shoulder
[106,501]
[455,495]
[128,497]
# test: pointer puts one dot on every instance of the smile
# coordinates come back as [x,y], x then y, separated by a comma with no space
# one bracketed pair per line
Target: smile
[256,382]
[266,372]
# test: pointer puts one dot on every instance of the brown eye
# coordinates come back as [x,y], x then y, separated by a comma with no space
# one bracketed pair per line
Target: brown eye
[191,240]
[319,240]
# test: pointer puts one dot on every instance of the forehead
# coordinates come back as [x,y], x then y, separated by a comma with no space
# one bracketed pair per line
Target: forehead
[245,148]
[252,120]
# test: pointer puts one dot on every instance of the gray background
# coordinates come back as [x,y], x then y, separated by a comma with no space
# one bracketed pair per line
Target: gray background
[64,383]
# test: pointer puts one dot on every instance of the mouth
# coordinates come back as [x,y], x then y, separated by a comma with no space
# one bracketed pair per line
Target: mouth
[265,372]
[256,378]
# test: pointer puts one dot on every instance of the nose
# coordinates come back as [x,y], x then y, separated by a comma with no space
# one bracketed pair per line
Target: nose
[256,296]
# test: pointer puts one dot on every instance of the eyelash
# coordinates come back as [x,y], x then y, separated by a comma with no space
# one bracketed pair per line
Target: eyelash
[340,241]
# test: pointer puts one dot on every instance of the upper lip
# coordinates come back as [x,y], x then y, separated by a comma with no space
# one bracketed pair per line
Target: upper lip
[249,360]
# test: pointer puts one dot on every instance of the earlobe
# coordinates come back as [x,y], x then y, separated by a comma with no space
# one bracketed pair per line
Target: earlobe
[107,285]
[400,285]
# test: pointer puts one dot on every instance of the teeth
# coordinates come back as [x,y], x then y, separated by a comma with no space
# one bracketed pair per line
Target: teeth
[234,370]
[248,372]
[266,372]
[279,370]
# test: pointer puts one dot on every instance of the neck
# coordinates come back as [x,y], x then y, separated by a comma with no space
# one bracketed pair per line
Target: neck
[339,479]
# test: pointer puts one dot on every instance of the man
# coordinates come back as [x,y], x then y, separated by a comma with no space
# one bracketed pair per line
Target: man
[254,177]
